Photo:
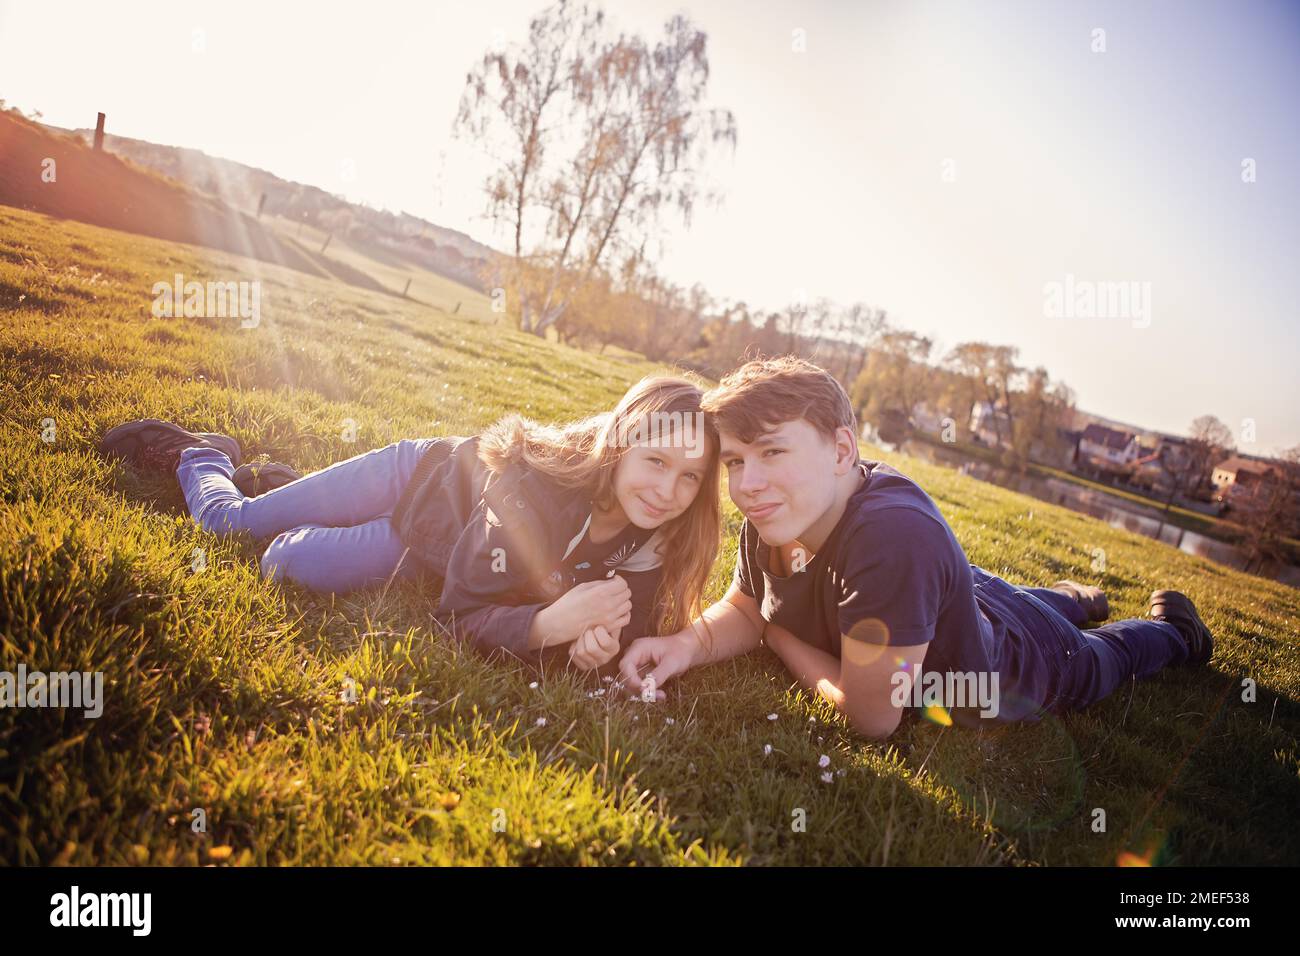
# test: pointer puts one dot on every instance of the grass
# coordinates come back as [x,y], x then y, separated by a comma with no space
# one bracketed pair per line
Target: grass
[224,694]
[386,267]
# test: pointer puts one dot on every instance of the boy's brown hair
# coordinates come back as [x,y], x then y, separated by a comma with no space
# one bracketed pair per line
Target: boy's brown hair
[766,393]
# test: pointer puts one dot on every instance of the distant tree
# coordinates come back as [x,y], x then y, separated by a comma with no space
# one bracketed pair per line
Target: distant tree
[1209,442]
[1181,465]
[523,91]
[1045,407]
[896,376]
[859,329]
[994,375]
[1270,514]
[639,132]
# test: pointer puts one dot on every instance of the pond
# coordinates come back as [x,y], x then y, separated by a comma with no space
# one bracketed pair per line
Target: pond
[1115,511]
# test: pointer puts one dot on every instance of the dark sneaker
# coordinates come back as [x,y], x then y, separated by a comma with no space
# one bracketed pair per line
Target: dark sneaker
[157,445]
[257,478]
[1091,599]
[1177,608]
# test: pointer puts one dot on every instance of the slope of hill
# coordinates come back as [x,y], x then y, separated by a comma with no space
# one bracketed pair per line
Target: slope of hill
[62,176]
[447,251]
[224,692]
[58,174]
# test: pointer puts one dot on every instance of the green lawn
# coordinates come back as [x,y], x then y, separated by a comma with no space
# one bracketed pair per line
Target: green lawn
[224,693]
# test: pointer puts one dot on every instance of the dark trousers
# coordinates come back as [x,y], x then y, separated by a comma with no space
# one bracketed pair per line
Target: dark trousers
[1067,668]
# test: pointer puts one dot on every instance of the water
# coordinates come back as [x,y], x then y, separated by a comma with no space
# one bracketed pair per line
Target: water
[1115,511]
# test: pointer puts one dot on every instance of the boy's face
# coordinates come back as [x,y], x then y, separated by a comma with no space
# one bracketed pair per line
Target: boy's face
[784,482]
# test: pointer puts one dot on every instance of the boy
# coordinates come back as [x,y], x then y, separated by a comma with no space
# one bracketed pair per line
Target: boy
[848,571]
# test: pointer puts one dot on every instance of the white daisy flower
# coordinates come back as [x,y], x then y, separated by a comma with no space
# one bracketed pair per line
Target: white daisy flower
[771,716]
[541,721]
[533,686]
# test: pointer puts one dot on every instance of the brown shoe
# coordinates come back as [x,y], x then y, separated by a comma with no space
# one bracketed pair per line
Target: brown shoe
[257,478]
[1177,608]
[1091,599]
[157,445]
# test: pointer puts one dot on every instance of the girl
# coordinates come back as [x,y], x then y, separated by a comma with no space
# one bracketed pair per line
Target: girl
[581,537]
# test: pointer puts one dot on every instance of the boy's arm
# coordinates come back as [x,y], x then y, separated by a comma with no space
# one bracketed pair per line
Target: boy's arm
[861,685]
[735,627]
[732,626]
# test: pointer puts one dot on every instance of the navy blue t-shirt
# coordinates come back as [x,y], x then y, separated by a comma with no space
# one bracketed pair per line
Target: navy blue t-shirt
[891,572]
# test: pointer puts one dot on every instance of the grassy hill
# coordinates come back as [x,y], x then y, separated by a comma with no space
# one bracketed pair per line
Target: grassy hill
[223,693]
[108,190]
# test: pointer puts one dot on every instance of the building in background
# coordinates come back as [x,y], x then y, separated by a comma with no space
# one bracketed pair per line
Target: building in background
[1105,449]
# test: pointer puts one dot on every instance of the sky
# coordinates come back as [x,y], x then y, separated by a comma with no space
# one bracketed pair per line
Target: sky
[950,162]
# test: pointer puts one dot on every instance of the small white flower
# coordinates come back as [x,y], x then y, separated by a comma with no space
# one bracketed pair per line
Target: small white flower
[771,716]
[533,686]
[607,679]
[828,777]
[825,761]
[541,721]
[767,750]
[840,772]
[669,721]
[812,720]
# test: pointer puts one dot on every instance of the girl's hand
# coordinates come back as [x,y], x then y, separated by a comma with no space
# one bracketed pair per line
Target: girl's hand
[594,648]
[606,604]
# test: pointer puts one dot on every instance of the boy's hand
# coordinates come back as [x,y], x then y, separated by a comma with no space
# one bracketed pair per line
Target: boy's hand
[669,656]
[594,648]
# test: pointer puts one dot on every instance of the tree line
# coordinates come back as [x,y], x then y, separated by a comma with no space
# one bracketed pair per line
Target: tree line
[595,137]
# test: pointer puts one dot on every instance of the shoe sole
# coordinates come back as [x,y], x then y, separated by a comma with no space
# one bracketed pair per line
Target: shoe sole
[1181,606]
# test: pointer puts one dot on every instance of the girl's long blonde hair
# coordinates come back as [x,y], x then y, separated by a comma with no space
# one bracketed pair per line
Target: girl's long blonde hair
[583,455]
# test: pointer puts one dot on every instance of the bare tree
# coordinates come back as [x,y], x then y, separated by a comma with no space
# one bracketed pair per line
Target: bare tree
[522,90]
[1270,514]
[860,328]
[1209,443]
[1181,469]
[643,135]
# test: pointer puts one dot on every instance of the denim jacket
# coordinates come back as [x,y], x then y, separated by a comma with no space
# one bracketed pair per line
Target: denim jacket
[499,540]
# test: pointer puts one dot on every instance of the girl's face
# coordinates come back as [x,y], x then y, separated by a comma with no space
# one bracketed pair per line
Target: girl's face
[656,482]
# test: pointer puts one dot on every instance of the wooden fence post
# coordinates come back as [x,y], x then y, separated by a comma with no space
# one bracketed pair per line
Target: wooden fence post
[99,133]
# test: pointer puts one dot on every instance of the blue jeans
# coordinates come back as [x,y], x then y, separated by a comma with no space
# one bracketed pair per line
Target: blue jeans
[331,529]
[1072,667]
